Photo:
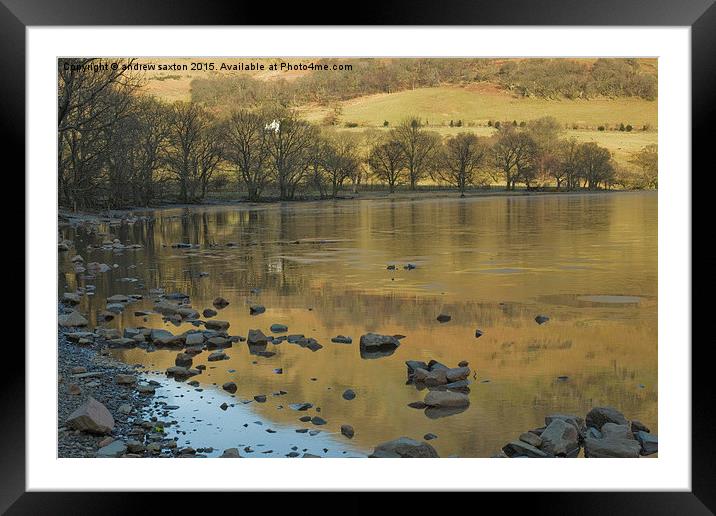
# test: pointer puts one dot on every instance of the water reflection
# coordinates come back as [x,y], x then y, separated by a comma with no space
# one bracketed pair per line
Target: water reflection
[490,263]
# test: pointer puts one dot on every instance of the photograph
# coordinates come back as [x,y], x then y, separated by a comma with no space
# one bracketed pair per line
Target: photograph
[357,257]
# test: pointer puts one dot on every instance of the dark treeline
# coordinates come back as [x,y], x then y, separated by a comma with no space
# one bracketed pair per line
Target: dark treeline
[548,78]
[118,148]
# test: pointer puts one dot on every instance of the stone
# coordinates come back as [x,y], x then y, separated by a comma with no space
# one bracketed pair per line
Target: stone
[446,399]
[183,360]
[74,389]
[217,355]
[278,328]
[91,417]
[349,394]
[220,302]
[208,312]
[649,442]
[118,298]
[218,342]
[134,446]
[256,309]
[413,365]
[229,387]
[125,408]
[179,373]
[606,448]
[72,319]
[457,374]
[260,398]
[560,439]
[430,436]
[404,447]
[520,448]
[443,318]
[78,370]
[300,406]
[614,431]
[194,339]
[576,421]
[638,426]
[70,298]
[532,439]
[479,333]
[541,319]
[373,342]
[112,450]
[600,415]
[230,453]
[146,389]
[256,337]
[342,339]
[347,430]
[125,379]
[216,325]
[318,420]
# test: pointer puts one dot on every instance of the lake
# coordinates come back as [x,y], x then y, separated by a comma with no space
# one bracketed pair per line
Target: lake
[587,261]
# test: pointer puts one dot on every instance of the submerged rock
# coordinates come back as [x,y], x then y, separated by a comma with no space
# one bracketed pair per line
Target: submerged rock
[349,394]
[443,318]
[220,302]
[541,319]
[256,309]
[404,448]
[446,399]
[278,328]
[479,333]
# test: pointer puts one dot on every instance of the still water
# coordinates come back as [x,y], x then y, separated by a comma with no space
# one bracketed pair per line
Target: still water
[589,262]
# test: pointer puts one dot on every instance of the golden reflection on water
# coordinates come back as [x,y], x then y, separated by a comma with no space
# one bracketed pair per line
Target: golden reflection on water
[491,263]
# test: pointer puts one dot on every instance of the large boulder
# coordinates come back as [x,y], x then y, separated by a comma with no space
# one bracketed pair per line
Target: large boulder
[600,415]
[72,319]
[215,324]
[609,448]
[256,337]
[404,448]
[91,417]
[577,421]
[446,399]
[560,439]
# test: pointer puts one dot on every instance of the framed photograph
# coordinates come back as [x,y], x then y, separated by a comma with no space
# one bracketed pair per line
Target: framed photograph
[458,236]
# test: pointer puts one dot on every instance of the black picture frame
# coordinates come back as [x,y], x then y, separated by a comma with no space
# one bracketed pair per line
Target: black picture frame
[700,15]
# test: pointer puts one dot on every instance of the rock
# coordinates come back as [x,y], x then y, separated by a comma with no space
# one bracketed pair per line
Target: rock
[220,302]
[479,333]
[522,449]
[183,360]
[224,406]
[341,339]
[278,328]
[605,448]
[348,431]
[614,431]
[457,374]
[229,387]
[230,453]
[194,339]
[301,406]
[404,447]
[600,415]
[134,446]
[260,398]
[318,420]
[78,370]
[113,449]
[118,298]
[409,266]
[208,312]
[430,437]
[430,378]
[125,379]
[531,439]
[560,439]
[293,339]
[70,298]
[218,342]
[541,319]
[593,433]
[446,399]
[463,363]
[156,334]
[91,417]
[443,318]
[146,389]
[188,313]
[417,405]
[649,443]
[256,337]
[638,426]
[74,389]
[125,408]
[216,325]
[72,319]
[576,421]
[180,373]
[413,365]
[217,355]
[374,343]
[348,394]
[256,309]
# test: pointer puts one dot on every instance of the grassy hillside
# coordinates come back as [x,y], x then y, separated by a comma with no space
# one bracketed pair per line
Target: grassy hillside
[481,102]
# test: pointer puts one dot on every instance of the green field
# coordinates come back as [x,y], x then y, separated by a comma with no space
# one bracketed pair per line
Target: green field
[477,104]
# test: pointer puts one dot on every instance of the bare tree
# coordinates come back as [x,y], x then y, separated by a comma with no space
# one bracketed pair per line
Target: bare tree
[460,159]
[387,161]
[419,148]
[247,150]
[341,160]
[513,153]
[289,141]
[595,165]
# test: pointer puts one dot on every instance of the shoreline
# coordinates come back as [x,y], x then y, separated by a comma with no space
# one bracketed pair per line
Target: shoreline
[419,195]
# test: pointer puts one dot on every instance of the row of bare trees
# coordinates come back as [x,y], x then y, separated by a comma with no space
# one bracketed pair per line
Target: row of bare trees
[118,148]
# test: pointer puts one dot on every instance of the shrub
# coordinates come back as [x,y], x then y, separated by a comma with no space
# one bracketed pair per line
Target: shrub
[629,128]
[497,125]
[600,128]
[385,123]
[351,124]
[621,127]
